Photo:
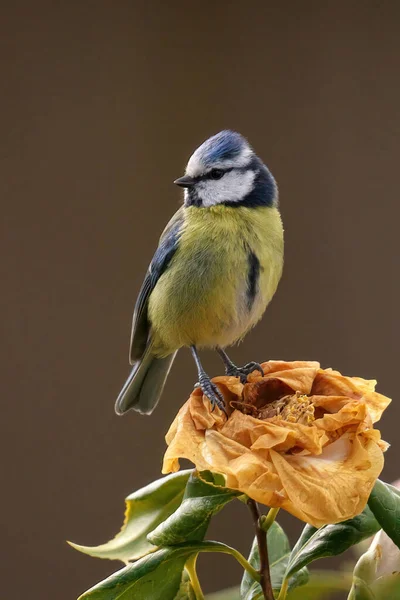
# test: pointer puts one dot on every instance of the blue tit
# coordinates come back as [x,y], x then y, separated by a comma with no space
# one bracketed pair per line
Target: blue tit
[216,268]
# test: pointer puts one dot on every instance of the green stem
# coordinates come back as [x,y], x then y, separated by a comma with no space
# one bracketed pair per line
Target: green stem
[284,590]
[241,560]
[267,520]
[218,547]
[190,567]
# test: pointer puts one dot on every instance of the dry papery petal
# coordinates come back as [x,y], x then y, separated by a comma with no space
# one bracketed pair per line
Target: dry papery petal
[299,437]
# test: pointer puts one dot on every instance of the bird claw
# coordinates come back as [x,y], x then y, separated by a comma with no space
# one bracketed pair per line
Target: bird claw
[244,372]
[212,392]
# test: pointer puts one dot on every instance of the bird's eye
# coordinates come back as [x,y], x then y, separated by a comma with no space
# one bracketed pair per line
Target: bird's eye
[216,174]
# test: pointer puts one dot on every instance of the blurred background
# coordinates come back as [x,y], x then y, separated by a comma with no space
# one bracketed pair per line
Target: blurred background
[102,104]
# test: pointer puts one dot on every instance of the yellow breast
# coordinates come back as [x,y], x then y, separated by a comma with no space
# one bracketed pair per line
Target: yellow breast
[202,298]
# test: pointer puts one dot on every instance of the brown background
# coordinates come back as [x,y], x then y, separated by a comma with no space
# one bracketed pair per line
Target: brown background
[102,104]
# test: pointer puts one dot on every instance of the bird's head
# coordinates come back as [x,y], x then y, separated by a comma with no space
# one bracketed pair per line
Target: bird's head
[225,170]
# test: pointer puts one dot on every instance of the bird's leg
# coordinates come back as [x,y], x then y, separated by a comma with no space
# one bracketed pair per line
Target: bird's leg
[208,387]
[241,372]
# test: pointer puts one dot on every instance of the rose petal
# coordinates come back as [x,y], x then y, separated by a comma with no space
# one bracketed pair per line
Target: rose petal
[299,379]
[273,366]
[352,413]
[335,384]
[334,486]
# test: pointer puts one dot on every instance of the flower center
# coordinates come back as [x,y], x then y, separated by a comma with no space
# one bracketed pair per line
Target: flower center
[294,408]
[297,409]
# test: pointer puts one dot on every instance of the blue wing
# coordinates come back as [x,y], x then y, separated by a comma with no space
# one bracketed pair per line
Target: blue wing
[169,242]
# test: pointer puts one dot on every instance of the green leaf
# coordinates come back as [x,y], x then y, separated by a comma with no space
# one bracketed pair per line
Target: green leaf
[190,521]
[150,507]
[330,540]
[145,509]
[278,554]
[384,502]
[157,576]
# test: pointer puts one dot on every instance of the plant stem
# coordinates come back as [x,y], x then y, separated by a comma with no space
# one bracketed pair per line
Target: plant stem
[216,547]
[267,520]
[190,567]
[242,561]
[284,589]
[265,576]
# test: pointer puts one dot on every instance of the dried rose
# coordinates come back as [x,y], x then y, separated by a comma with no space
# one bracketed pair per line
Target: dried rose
[300,438]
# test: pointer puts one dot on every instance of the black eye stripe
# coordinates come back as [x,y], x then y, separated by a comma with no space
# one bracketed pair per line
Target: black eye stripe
[217,173]
[207,176]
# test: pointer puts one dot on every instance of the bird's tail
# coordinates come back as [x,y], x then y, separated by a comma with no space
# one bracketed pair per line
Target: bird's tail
[145,384]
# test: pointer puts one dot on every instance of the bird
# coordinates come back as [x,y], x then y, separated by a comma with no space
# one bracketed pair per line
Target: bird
[216,268]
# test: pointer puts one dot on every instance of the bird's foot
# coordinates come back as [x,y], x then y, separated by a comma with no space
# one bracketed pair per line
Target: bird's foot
[244,372]
[212,392]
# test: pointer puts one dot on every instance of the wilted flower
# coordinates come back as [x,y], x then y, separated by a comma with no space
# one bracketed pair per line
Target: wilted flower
[300,438]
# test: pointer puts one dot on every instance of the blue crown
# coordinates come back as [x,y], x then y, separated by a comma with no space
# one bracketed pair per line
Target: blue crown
[225,145]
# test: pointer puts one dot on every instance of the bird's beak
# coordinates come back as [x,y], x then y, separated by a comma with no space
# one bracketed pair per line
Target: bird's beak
[186,181]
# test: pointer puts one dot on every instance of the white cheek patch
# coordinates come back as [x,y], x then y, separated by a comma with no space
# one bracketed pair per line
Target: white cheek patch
[232,187]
